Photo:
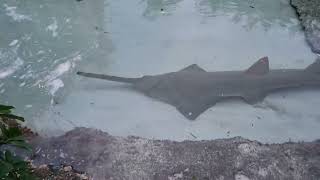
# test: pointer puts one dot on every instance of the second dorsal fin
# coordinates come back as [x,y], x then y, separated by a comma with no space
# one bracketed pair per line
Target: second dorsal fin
[260,67]
[193,67]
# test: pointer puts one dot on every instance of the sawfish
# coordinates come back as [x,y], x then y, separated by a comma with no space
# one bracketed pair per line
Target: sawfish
[193,90]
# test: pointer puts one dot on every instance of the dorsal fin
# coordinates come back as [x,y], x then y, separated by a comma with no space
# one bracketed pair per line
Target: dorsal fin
[314,67]
[260,67]
[193,67]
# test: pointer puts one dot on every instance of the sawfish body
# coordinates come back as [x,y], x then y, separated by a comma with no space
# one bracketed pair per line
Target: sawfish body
[193,90]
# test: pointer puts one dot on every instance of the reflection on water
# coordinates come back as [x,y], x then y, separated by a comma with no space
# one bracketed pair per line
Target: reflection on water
[159,7]
[266,13]
[41,42]
[44,43]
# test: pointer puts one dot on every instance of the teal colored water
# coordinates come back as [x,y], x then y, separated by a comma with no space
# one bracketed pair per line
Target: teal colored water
[43,43]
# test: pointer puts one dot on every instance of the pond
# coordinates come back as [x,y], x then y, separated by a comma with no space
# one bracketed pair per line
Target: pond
[44,43]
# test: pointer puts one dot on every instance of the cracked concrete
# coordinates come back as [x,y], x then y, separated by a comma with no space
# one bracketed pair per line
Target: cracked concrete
[104,156]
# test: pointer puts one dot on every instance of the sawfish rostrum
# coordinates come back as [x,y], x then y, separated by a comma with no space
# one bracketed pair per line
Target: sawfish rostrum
[193,90]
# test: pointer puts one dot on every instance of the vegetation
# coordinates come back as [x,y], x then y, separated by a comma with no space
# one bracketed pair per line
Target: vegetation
[12,167]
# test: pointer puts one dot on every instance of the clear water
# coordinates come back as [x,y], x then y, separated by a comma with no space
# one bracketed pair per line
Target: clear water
[43,43]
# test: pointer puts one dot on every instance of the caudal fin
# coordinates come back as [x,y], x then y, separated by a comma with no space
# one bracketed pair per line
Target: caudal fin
[107,77]
[314,67]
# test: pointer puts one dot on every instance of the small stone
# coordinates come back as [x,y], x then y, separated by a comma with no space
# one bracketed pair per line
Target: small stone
[82,176]
[42,170]
[67,168]
[241,177]
[43,166]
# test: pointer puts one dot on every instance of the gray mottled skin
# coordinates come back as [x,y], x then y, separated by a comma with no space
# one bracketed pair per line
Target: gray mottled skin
[106,157]
[193,90]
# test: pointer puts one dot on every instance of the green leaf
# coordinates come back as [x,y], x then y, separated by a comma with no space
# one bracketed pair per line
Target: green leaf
[4,107]
[20,164]
[10,133]
[11,116]
[13,132]
[5,168]
[11,166]
[8,156]
[21,144]
[4,131]
[5,112]
[17,138]
[27,176]
[14,137]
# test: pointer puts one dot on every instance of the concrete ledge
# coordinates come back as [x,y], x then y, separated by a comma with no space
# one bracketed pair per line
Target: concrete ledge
[104,156]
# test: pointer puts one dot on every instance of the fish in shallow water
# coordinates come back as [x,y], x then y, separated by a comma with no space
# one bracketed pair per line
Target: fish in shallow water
[193,90]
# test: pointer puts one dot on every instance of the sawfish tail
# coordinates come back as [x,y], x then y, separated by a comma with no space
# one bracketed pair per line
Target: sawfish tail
[109,78]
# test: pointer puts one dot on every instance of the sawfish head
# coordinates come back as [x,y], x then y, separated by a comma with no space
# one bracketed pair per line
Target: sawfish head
[166,88]
[147,83]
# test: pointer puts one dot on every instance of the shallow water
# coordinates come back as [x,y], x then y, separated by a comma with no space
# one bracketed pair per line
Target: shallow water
[44,43]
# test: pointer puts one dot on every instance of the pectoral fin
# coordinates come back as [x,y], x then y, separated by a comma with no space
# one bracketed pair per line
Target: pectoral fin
[191,113]
[191,109]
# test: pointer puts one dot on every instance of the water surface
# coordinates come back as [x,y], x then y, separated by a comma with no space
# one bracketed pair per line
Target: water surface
[43,44]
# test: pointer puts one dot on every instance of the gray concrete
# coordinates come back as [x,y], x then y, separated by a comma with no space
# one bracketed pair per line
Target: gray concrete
[108,157]
[309,15]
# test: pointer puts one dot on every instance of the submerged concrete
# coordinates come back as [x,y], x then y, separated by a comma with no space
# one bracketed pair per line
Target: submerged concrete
[309,15]
[104,156]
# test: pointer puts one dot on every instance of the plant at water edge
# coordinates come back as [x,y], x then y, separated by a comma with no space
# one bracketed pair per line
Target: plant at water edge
[12,167]
[11,134]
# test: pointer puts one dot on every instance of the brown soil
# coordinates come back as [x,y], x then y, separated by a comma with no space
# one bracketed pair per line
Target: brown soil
[44,172]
